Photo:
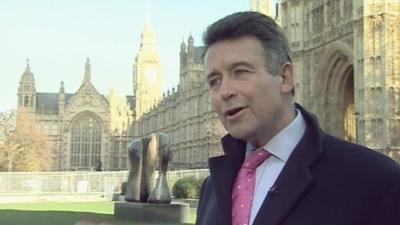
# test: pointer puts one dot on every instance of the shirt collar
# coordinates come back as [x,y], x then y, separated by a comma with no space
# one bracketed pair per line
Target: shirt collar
[284,142]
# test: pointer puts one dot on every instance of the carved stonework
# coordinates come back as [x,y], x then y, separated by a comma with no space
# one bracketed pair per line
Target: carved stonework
[348,10]
[317,19]
[376,8]
[317,56]
[351,45]
[375,23]
[87,98]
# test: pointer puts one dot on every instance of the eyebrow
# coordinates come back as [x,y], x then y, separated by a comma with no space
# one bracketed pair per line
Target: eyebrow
[241,63]
[212,74]
[231,67]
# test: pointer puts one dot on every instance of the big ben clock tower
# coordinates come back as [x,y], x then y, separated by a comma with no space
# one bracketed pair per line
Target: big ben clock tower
[147,73]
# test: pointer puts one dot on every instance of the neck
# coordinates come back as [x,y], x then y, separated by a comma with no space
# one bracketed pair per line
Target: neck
[288,115]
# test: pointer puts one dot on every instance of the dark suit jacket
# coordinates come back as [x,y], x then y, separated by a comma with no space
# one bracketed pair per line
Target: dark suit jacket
[326,181]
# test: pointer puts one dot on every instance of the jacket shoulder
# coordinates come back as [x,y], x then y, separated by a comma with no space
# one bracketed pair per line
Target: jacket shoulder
[359,157]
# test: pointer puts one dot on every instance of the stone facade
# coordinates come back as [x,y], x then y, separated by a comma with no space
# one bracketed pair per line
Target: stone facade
[265,7]
[88,130]
[185,114]
[346,56]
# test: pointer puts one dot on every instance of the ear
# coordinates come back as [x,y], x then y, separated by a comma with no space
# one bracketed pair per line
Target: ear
[287,78]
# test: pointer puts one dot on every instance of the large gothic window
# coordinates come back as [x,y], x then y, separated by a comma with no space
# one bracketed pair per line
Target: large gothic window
[85,142]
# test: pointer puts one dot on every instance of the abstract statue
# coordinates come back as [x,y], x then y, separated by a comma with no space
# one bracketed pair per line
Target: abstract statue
[161,192]
[135,153]
[143,155]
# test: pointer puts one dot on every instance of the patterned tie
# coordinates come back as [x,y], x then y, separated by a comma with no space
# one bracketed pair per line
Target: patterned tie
[243,188]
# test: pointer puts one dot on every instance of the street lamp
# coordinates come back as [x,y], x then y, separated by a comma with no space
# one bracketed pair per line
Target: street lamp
[357,115]
[208,131]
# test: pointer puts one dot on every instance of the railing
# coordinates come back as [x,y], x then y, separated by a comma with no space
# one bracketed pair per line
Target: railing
[76,182]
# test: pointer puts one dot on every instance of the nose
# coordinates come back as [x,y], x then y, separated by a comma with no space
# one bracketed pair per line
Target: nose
[226,90]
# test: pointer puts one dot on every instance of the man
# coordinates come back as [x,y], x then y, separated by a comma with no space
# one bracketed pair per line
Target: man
[310,177]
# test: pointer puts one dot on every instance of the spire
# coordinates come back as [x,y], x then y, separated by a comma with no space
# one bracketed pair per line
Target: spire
[86,77]
[26,89]
[61,99]
[183,53]
[148,37]
[190,47]
[27,76]
[148,6]
[62,90]
[28,67]
[183,46]
[190,40]
[112,91]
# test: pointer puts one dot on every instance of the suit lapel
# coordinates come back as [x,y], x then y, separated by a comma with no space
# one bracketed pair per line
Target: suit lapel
[295,179]
[289,188]
[292,184]
[223,170]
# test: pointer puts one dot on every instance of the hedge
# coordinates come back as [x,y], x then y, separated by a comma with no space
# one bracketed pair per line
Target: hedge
[187,187]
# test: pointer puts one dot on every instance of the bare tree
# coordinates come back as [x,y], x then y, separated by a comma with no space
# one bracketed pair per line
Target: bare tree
[24,146]
[7,128]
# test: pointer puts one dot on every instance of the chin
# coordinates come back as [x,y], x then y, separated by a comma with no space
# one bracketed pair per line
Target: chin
[238,135]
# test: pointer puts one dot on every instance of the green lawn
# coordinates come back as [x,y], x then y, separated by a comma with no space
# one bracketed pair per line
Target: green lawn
[64,214]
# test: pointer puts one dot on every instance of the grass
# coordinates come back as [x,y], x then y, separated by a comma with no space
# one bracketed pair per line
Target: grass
[55,213]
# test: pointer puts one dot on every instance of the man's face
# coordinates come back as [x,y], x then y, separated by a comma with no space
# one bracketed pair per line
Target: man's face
[252,104]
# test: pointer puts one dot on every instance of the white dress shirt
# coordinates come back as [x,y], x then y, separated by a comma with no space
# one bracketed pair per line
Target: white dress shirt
[280,147]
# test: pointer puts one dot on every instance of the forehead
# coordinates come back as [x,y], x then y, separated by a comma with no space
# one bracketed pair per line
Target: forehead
[226,52]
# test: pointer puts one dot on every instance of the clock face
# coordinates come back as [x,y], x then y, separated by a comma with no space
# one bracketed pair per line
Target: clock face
[151,74]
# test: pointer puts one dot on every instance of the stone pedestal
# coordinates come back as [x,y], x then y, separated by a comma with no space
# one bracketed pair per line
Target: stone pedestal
[152,213]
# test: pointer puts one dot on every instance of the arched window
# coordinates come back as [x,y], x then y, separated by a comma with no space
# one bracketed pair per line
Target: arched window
[85,142]
[26,101]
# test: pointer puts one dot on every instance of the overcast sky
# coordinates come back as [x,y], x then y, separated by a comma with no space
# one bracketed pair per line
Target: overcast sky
[58,36]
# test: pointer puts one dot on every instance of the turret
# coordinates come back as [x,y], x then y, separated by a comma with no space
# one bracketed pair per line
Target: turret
[183,54]
[61,98]
[190,49]
[27,90]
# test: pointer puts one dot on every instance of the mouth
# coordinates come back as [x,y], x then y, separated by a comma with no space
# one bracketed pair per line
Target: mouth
[231,113]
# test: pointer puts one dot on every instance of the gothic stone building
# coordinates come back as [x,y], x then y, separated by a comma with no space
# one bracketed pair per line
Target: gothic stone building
[87,129]
[347,71]
[347,62]
[185,114]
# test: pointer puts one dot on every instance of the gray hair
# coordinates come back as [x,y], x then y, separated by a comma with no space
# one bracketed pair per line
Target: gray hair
[264,28]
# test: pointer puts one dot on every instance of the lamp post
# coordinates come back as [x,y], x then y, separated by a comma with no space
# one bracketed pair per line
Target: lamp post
[357,117]
[208,130]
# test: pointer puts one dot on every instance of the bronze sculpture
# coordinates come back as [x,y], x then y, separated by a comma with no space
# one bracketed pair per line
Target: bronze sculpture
[160,193]
[135,154]
[143,155]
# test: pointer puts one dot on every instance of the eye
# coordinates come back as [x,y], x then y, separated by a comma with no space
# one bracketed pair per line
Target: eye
[241,71]
[214,81]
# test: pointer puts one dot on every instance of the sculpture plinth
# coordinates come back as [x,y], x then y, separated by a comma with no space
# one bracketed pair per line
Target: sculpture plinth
[152,213]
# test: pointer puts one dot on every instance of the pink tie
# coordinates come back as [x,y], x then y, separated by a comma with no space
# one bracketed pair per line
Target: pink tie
[243,188]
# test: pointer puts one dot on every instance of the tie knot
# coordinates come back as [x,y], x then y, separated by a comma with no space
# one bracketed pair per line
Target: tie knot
[255,158]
